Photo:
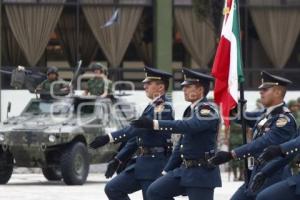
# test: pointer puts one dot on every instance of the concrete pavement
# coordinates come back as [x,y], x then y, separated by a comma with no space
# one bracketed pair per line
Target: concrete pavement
[36,187]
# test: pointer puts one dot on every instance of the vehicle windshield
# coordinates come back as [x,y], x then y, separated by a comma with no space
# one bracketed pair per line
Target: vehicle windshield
[84,106]
[60,107]
[39,107]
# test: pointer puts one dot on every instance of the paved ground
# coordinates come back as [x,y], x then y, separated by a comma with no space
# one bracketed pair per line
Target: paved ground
[35,187]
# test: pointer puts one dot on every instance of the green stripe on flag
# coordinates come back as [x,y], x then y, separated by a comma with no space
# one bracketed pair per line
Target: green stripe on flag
[236,32]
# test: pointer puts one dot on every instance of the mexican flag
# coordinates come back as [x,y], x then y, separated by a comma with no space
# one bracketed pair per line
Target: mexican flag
[227,67]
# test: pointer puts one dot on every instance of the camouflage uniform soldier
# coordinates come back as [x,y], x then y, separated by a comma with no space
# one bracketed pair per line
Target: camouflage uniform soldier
[100,85]
[293,105]
[107,82]
[58,88]
[298,100]
[236,140]
[298,113]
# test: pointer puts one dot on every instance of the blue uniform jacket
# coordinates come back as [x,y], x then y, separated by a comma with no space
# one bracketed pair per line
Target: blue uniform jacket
[292,181]
[198,140]
[290,149]
[147,167]
[275,128]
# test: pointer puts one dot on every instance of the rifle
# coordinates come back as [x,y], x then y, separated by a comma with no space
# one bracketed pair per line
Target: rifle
[75,76]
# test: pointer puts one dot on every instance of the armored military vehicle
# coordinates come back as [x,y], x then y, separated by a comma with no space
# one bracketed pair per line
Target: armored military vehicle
[54,134]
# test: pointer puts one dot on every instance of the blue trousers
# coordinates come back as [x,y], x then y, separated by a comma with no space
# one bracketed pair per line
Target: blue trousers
[125,183]
[241,194]
[244,194]
[279,191]
[167,187]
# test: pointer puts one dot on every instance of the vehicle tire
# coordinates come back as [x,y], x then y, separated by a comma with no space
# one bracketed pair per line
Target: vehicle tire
[75,164]
[6,166]
[52,173]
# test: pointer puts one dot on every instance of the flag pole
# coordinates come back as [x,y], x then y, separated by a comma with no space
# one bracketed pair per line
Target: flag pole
[226,92]
[242,103]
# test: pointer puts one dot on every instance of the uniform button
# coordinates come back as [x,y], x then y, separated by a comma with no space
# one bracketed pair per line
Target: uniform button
[120,137]
[181,155]
[161,129]
[140,139]
[171,129]
[181,146]
[249,154]
[287,153]
[199,165]
[296,149]
[166,129]
[292,151]
[116,138]
[244,156]
[124,135]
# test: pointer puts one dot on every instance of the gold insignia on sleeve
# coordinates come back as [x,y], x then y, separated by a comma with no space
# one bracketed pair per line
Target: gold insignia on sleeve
[159,108]
[281,122]
[204,111]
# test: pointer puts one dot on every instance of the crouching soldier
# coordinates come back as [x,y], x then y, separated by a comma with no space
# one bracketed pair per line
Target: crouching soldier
[274,125]
[188,171]
[153,149]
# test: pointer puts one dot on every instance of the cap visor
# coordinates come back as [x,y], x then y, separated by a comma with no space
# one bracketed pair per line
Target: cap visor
[187,83]
[147,80]
[265,86]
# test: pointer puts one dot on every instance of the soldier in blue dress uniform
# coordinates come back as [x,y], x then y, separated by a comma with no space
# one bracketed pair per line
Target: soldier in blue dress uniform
[188,171]
[288,188]
[153,149]
[274,125]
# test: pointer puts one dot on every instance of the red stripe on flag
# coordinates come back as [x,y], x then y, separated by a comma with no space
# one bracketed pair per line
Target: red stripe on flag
[220,68]
[221,72]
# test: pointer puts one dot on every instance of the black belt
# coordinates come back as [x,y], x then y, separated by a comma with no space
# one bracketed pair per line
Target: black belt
[202,161]
[152,150]
[196,163]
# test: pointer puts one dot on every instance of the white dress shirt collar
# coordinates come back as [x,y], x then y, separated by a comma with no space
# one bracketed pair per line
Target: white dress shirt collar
[195,103]
[270,109]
